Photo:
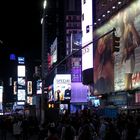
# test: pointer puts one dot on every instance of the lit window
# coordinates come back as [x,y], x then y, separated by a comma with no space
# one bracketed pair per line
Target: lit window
[67,17]
[75,25]
[78,17]
[67,24]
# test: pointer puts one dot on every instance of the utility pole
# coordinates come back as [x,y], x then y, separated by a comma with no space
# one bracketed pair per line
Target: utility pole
[44,66]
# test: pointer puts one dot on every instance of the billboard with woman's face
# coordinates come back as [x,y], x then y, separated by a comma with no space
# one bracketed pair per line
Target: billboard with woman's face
[118,71]
[103,65]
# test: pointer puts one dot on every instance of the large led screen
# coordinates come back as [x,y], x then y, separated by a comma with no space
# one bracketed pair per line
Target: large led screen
[76,70]
[29,87]
[87,37]
[79,92]
[39,87]
[126,62]
[21,95]
[54,52]
[103,66]
[21,71]
[62,87]
[76,41]
[21,60]
[15,87]
[21,82]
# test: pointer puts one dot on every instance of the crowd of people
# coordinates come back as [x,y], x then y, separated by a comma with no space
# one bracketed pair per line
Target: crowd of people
[82,125]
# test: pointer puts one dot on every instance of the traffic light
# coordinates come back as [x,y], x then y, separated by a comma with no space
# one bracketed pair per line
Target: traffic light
[116,43]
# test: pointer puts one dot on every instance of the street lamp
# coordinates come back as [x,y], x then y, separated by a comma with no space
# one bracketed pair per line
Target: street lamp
[44,4]
[44,64]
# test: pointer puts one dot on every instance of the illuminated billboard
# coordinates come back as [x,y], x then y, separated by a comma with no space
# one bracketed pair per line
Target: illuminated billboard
[87,21]
[39,87]
[15,87]
[50,93]
[21,94]
[21,71]
[21,60]
[62,87]
[76,70]
[126,62]
[54,52]
[75,42]
[79,92]
[21,82]
[29,87]
[30,100]
[103,65]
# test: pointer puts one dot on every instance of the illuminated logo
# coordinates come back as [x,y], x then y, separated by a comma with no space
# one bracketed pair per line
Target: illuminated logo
[63,81]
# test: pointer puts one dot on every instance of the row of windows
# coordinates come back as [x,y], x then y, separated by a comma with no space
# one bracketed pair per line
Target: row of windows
[70,31]
[73,24]
[72,17]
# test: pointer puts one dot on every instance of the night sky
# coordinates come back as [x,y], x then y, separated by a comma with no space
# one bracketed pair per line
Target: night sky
[20,27]
[20,32]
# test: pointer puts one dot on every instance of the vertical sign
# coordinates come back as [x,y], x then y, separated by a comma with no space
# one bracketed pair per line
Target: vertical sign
[21,83]
[87,21]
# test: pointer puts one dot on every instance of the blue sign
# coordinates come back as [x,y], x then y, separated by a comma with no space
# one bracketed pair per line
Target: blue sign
[21,60]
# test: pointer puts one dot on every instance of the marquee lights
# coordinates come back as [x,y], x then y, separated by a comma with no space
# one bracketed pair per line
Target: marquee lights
[102,18]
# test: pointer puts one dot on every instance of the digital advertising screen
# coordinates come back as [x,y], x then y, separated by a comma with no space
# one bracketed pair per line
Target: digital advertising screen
[21,82]
[50,95]
[76,70]
[126,62]
[103,65]
[30,100]
[15,87]
[62,86]
[21,94]
[79,92]
[87,37]
[63,108]
[76,41]
[94,101]
[21,60]
[54,52]
[21,71]
[39,87]
[29,87]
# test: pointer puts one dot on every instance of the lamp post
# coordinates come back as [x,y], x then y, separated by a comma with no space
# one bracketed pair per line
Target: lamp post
[43,60]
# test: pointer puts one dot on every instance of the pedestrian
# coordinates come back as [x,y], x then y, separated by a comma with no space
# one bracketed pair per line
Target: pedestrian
[52,132]
[17,128]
